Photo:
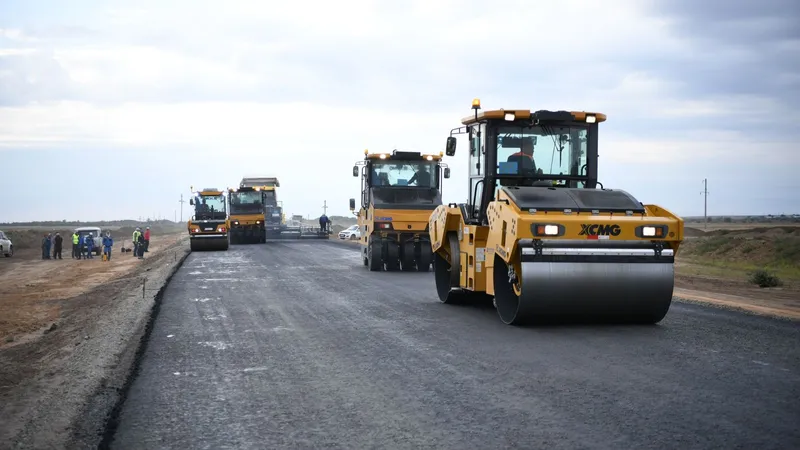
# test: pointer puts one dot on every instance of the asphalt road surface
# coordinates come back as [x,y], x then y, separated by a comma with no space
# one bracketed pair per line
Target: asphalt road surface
[298,345]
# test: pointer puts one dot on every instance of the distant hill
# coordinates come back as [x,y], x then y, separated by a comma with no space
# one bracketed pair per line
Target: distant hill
[90,223]
[769,218]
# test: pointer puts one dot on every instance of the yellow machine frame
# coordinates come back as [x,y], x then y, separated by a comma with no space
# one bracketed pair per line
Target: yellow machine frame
[209,233]
[609,258]
[250,227]
[395,237]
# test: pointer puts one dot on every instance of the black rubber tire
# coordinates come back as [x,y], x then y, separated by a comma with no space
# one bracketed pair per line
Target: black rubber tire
[425,258]
[392,257]
[506,300]
[407,259]
[375,256]
[447,274]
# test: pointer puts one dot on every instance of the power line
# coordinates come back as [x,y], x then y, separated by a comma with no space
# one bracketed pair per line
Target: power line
[704,193]
[181,201]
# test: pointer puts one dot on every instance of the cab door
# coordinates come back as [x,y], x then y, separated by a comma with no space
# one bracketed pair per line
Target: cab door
[477,169]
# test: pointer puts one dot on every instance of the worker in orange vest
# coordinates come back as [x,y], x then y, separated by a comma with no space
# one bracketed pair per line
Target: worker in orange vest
[524,158]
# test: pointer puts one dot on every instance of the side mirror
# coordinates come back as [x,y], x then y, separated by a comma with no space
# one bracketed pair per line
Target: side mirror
[191,201]
[450,148]
[355,171]
[352,204]
[447,172]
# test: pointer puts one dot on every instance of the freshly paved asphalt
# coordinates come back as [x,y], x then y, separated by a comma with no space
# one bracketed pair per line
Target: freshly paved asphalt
[298,345]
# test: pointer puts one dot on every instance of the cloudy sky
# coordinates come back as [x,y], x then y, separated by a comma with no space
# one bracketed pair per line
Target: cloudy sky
[112,109]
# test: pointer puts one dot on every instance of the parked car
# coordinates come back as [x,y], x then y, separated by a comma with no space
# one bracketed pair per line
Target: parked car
[97,237]
[351,233]
[6,246]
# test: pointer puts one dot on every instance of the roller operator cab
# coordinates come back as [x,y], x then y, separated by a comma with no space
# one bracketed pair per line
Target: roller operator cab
[540,237]
[209,226]
[254,208]
[399,191]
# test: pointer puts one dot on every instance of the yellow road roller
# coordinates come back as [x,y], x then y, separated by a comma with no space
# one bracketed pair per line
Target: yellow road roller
[209,227]
[540,235]
[398,192]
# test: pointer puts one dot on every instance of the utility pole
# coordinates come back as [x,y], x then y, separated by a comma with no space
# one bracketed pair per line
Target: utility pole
[181,201]
[705,203]
[325,207]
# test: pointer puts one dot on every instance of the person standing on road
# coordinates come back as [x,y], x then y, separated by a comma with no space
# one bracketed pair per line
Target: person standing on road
[75,247]
[323,223]
[81,241]
[147,240]
[108,242]
[59,241]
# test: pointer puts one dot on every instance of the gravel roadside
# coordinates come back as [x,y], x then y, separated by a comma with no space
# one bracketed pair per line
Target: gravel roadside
[59,391]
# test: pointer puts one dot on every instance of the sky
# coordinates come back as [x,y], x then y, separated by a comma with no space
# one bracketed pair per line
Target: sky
[112,110]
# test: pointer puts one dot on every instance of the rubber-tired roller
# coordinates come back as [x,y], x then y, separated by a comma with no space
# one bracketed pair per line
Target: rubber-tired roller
[539,236]
[398,192]
[209,226]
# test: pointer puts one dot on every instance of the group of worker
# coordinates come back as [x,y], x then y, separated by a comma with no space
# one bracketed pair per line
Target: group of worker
[83,245]
[50,241]
[141,242]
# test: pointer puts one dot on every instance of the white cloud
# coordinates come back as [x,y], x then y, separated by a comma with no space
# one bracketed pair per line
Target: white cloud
[260,80]
[137,67]
[16,35]
[243,126]
[16,51]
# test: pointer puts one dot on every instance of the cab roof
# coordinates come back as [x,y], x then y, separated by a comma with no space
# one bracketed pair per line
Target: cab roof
[259,182]
[252,188]
[524,114]
[397,155]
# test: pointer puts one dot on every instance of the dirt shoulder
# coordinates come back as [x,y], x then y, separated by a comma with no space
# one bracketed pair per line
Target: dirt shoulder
[32,288]
[71,330]
[717,267]
[732,293]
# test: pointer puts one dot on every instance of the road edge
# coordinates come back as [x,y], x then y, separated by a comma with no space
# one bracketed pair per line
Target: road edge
[97,422]
[740,308]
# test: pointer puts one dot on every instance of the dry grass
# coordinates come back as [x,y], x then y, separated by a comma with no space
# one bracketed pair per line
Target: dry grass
[737,252]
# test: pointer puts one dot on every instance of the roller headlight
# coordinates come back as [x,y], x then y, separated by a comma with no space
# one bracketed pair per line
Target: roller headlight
[547,229]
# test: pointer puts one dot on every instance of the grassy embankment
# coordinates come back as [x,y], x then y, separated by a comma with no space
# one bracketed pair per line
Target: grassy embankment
[765,254]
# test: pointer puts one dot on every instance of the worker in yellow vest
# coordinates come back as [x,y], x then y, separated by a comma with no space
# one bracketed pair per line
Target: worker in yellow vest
[135,238]
[75,245]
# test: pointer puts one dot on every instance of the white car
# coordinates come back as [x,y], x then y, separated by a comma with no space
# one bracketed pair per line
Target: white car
[6,247]
[351,233]
[96,235]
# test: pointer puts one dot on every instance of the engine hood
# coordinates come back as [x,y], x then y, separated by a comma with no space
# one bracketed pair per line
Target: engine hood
[543,198]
